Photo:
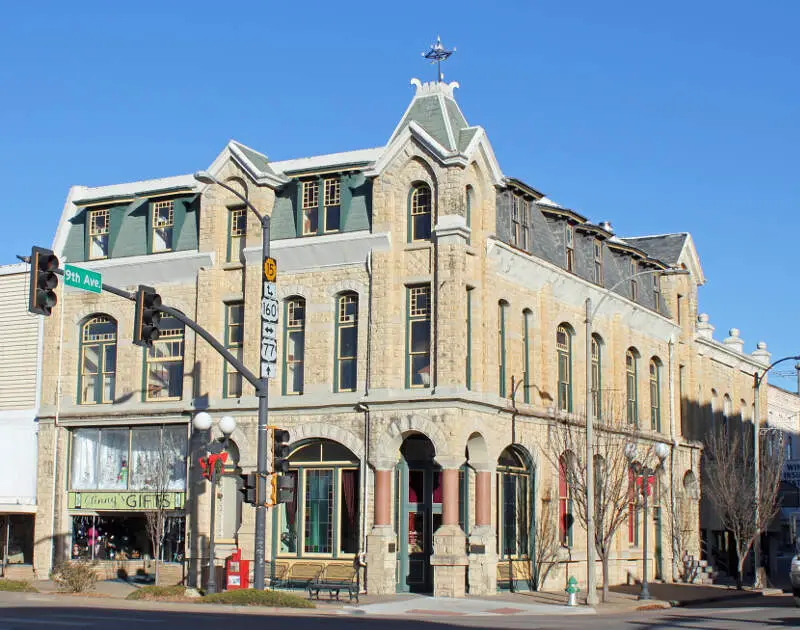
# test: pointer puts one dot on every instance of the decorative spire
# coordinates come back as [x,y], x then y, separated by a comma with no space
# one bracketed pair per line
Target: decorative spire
[438,54]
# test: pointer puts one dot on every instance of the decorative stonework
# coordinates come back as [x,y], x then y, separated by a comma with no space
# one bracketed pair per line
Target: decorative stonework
[328,431]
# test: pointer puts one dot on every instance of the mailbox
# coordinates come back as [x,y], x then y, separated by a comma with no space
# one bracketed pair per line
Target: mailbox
[237,571]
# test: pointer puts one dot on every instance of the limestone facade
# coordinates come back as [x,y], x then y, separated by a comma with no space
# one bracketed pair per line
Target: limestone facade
[424,519]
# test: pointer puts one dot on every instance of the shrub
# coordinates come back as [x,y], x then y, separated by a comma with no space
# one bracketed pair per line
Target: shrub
[19,586]
[157,592]
[253,597]
[74,577]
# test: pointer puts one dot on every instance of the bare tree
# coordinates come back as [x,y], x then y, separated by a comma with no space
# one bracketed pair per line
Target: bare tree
[729,475]
[612,438]
[546,544]
[158,471]
[681,520]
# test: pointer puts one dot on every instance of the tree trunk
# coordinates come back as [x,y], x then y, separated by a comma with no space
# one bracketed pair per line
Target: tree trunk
[605,578]
[740,558]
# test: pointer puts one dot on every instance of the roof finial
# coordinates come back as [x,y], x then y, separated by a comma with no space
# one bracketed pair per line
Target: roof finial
[438,53]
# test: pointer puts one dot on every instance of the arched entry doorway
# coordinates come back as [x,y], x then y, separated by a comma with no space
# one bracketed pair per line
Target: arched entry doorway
[419,513]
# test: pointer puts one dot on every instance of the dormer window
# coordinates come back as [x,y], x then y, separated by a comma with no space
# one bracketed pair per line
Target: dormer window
[525,220]
[310,207]
[569,246]
[657,292]
[520,222]
[333,203]
[163,222]
[598,261]
[634,281]
[98,234]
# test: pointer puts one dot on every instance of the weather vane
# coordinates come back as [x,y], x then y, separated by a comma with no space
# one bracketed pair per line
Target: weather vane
[438,53]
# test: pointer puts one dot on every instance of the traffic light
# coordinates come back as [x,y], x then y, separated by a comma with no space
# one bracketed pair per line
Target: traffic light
[147,316]
[282,489]
[280,450]
[249,488]
[43,280]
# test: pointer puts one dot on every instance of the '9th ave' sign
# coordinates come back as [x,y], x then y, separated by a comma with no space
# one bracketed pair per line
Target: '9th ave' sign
[269,320]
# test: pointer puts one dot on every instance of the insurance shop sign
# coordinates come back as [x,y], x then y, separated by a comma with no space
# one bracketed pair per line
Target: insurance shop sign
[269,320]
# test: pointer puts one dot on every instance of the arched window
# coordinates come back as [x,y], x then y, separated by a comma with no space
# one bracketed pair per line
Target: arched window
[513,519]
[502,308]
[420,213]
[631,376]
[527,322]
[98,360]
[565,518]
[564,355]
[346,343]
[294,346]
[655,394]
[164,362]
[470,200]
[322,520]
[726,412]
[597,377]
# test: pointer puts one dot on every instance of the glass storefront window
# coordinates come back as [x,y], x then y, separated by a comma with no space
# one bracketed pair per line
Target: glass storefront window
[124,537]
[129,459]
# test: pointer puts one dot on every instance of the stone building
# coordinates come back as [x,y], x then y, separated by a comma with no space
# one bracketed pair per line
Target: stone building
[432,334]
[20,339]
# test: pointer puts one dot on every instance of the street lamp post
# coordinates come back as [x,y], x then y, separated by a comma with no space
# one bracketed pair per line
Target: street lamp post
[757,380]
[227,424]
[661,451]
[262,392]
[591,589]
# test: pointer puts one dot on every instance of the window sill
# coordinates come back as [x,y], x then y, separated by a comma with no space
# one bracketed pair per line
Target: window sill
[232,265]
[418,245]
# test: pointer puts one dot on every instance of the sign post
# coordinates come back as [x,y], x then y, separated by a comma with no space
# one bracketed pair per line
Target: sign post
[83,279]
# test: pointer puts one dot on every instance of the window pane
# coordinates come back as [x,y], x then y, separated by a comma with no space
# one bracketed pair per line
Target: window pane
[348,512]
[113,461]
[509,514]
[91,359]
[348,341]
[332,218]
[294,378]
[347,375]
[175,445]
[422,227]
[310,223]
[296,346]
[144,452]
[85,444]
[420,336]
[319,511]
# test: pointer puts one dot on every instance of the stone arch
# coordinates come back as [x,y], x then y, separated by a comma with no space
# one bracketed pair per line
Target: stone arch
[344,286]
[289,290]
[691,489]
[328,431]
[388,446]
[410,170]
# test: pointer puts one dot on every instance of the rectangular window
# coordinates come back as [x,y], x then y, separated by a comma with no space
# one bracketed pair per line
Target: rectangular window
[295,345]
[679,309]
[163,221]
[525,220]
[237,232]
[333,204]
[347,343]
[310,207]
[98,233]
[164,363]
[634,281]
[348,512]
[319,511]
[140,458]
[516,228]
[657,292]
[288,519]
[234,342]
[597,409]
[598,262]
[419,337]
[569,243]
[468,374]
[501,348]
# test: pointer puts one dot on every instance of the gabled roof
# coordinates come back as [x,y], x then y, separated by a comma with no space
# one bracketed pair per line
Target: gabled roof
[359,157]
[676,250]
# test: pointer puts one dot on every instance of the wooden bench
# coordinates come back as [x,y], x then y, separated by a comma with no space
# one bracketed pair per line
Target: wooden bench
[300,575]
[336,578]
[277,572]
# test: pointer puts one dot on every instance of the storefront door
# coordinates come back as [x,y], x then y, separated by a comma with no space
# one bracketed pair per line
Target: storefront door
[419,504]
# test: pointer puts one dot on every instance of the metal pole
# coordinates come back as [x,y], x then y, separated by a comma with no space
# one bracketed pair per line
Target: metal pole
[263,422]
[591,589]
[756,483]
[645,594]
[212,568]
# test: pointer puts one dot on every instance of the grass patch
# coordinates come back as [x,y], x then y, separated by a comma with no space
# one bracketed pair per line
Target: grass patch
[253,597]
[17,586]
[157,592]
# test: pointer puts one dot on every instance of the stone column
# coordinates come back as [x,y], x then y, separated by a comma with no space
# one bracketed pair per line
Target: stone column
[449,559]
[381,541]
[482,540]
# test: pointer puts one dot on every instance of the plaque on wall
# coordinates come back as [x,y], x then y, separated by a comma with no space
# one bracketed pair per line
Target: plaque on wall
[476,549]
[392,548]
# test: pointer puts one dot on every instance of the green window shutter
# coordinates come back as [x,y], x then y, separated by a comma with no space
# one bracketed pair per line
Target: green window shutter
[181,210]
[298,209]
[116,218]
[345,200]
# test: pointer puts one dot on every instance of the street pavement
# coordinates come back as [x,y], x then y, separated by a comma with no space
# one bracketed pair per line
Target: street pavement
[63,612]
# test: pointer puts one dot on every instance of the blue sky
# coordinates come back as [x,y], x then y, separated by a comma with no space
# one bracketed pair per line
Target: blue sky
[659,117]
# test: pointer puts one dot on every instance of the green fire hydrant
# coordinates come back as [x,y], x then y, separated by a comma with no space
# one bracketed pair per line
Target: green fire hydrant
[572,589]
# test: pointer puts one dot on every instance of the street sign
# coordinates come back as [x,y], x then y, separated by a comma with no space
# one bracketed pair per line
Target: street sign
[269,320]
[83,279]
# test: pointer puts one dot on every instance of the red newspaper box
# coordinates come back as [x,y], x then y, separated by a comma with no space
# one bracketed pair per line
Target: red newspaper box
[237,571]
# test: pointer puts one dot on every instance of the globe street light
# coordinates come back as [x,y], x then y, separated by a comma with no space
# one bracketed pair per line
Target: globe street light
[216,453]
[661,452]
